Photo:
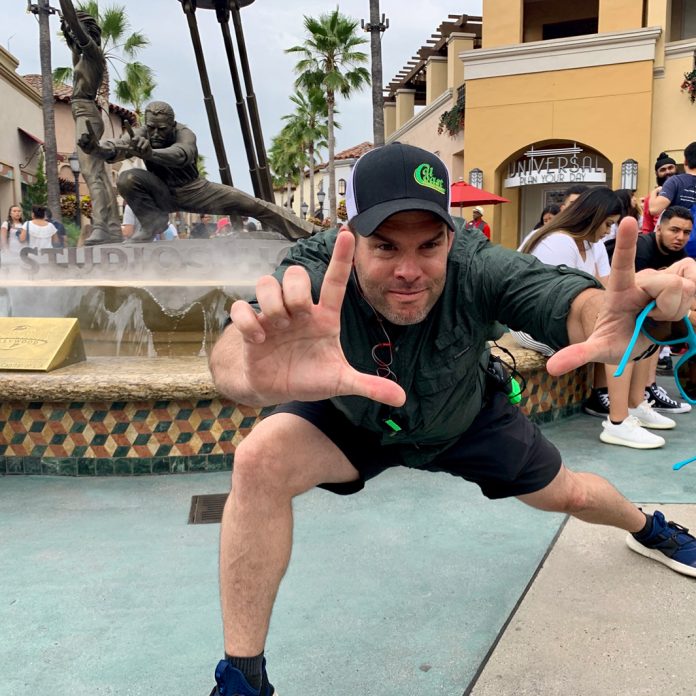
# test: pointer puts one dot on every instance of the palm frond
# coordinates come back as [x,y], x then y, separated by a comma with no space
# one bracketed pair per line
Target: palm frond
[134,43]
[62,76]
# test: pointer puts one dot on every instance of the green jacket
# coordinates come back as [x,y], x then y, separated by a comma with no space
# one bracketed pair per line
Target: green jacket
[440,361]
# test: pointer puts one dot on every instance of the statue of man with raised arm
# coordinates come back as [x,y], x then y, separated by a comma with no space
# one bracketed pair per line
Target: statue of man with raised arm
[83,36]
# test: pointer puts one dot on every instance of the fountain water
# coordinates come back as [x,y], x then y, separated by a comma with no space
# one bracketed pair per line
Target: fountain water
[163,299]
[143,401]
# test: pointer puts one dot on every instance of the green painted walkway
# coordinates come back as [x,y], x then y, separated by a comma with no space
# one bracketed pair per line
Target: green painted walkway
[401,590]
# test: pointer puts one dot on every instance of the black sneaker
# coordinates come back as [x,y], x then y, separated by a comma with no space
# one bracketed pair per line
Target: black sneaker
[665,366]
[668,543]
[662,402]
[598,403]
[231,682]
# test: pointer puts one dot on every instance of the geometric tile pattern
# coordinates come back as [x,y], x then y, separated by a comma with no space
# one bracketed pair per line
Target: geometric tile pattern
[548,398]
[146,437]
[138,435]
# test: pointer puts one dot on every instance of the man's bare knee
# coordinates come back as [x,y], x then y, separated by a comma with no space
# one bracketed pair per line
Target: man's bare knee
[260,467]
[285,455]
[568,493]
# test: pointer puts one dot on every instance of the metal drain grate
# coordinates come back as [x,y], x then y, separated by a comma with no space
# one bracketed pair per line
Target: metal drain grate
[207,509]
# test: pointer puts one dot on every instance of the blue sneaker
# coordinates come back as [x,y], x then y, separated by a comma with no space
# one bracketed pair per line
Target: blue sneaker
[668,543]
[231,682]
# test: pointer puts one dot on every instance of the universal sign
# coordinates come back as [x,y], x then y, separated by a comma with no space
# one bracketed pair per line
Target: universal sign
[557,165]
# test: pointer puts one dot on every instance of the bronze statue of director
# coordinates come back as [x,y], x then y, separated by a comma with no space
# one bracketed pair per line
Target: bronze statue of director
[171,181]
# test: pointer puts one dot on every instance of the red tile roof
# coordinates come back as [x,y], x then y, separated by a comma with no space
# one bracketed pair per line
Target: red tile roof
[354,152]
[63,93]
[351,153]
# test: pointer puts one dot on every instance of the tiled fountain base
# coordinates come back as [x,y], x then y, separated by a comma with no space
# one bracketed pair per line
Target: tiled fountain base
[111,416]
[121,438]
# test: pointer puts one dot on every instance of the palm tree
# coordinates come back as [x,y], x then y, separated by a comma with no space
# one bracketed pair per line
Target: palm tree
[284,157]
[136,88]
[329,61]
[376,29]
[42,9]
[200,165]
[308,124]
[120,46]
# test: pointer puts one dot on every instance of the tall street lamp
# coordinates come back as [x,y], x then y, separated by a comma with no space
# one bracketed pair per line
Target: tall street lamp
[304,208]
[75,167]
[321,195]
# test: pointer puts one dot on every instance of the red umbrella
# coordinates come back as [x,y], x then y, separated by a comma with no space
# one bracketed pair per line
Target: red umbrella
[464,195]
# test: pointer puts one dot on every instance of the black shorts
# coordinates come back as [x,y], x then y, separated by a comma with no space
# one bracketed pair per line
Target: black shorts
[502,451]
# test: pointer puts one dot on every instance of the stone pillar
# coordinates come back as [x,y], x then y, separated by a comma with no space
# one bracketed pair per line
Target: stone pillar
[435,78]
[620,15]
[503,22]
[656,16]
[405,102]
[456,43]
[389,118]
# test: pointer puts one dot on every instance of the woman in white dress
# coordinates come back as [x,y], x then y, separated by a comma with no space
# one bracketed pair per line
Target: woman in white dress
[12,235]
[40,232]
[572,239]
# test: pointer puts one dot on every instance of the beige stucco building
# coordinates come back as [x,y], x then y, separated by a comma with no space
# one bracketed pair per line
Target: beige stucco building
[21,132]
[554,93]
[65,129]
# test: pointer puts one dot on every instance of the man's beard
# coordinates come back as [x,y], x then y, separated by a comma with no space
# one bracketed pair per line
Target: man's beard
[661,179]
[376,297]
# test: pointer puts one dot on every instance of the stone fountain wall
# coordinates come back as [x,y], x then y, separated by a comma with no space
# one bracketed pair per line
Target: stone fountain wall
[116,416]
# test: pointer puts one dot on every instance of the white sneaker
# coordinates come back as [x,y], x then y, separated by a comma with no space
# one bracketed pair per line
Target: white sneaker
[648,417]
[629,434]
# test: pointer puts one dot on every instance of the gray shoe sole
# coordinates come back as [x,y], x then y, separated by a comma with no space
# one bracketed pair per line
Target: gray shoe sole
[659,557]
[611,440]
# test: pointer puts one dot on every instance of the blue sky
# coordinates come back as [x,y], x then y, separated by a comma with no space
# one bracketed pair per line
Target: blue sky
[270,26]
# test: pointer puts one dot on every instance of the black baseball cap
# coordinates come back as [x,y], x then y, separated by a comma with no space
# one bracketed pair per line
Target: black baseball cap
[393,179]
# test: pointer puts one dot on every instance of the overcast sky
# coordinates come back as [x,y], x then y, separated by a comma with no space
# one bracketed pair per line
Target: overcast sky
[270,26]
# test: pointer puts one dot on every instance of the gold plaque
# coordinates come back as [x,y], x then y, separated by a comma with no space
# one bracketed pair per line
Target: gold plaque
[44,344]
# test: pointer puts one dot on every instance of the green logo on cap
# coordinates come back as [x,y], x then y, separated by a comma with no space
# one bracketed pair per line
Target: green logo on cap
[423,174]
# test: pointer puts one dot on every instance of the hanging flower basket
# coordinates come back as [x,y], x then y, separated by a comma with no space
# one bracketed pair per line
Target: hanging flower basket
[452,121]
[689,85]
[342,211]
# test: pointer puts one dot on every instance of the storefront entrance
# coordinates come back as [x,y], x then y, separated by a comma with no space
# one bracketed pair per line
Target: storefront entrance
[543,173]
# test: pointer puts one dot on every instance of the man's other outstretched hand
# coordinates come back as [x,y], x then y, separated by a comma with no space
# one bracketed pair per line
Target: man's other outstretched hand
[602,322]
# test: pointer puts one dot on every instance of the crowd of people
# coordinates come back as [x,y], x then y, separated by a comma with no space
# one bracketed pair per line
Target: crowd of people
[204,228]
[43,231]
[582,235]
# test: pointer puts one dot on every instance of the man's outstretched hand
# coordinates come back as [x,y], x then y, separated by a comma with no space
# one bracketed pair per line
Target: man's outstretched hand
[606,320]
[292,349]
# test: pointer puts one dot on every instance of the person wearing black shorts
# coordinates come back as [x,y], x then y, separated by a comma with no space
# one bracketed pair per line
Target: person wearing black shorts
[374,341]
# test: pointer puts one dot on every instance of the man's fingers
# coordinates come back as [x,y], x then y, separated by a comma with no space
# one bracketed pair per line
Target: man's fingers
[247,322]
[570,358]
[624,258]
[673,294]
[376,388]
[297,291]
[269,295]
[333,289]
